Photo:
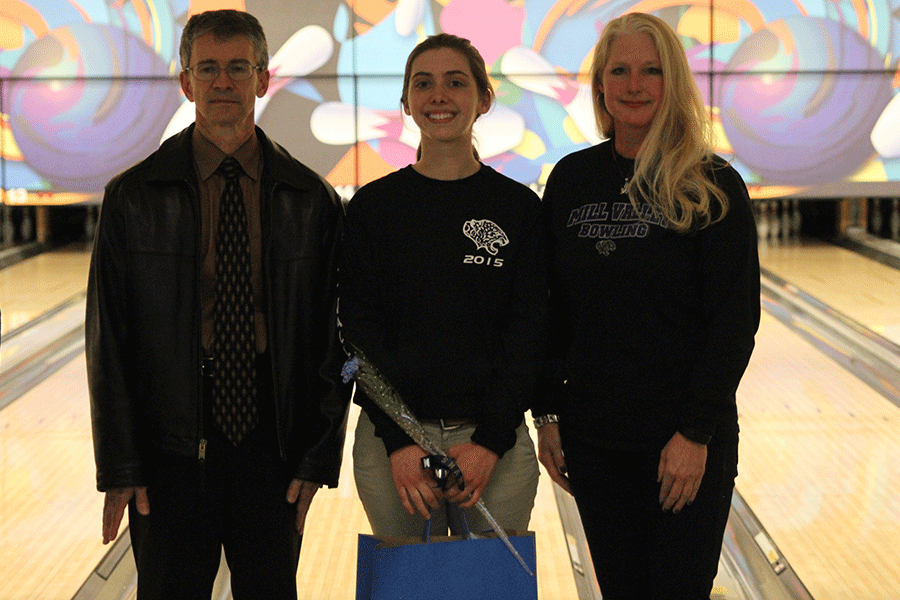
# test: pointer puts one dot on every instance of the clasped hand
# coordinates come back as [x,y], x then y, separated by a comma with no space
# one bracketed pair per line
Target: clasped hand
[418,489]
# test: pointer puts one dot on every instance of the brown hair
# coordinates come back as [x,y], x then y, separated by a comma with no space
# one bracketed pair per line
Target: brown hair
[461,45]
[224,25]
[465,48]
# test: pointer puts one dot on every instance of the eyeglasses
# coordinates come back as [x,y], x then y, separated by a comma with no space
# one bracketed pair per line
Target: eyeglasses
[238,71]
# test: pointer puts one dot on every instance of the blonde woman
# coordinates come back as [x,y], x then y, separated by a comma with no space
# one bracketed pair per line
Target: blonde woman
[654,308]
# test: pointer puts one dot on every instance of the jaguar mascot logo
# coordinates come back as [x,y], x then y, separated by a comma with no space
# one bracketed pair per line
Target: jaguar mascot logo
[486,234]
[604,247]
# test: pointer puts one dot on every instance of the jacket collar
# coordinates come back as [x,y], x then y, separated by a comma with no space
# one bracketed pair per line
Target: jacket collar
[173,161]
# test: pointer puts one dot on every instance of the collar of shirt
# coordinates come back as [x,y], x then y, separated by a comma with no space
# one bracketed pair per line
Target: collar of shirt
[208,156]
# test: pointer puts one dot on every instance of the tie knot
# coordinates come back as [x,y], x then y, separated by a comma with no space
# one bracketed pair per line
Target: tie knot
[230,168]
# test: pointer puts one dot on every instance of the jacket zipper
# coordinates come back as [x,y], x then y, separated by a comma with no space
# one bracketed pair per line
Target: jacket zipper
[201,450]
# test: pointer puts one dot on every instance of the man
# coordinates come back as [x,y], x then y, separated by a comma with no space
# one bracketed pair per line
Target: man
[212,348]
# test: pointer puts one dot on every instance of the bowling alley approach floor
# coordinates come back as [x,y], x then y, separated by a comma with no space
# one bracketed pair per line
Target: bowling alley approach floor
[818,460]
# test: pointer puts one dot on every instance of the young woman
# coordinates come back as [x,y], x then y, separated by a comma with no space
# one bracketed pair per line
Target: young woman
[654,308]
[445,291]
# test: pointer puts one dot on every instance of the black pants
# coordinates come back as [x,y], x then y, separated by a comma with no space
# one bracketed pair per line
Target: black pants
[639,551]
[235,500]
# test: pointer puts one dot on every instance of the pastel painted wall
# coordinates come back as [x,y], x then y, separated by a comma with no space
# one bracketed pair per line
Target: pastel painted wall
[804,93]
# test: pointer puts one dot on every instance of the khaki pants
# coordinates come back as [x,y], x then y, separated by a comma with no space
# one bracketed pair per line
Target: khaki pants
[509,496]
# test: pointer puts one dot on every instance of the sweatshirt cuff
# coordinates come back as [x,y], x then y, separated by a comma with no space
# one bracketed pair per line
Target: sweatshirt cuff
[695,435]
[498,441]
[394,441]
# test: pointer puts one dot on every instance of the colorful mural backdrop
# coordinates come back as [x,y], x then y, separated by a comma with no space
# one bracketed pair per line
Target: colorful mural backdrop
[804,94]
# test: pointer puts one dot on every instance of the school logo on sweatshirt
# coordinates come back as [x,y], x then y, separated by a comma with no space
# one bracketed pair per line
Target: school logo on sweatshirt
[486,234]
[604,247]
[608,221]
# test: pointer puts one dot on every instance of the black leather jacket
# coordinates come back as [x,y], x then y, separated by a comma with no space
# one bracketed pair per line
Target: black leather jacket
[142,325]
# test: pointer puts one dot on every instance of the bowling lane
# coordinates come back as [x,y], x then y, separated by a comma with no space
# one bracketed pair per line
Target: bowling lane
[49,507]
[34,286]
[818,447]
[818,467]
[865,290]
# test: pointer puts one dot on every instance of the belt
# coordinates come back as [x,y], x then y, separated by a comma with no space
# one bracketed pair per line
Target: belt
[449,423]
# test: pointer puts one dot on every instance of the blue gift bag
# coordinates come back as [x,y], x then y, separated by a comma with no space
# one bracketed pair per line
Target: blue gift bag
[445,568]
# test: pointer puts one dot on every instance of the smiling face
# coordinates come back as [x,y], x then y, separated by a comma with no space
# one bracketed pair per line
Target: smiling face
[223,102]
[443,97]
[632,85]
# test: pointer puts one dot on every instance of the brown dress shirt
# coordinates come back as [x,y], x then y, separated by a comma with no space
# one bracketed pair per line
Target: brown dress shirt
[207,157]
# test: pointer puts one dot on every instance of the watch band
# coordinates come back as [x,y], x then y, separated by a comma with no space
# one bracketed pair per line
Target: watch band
[544,419]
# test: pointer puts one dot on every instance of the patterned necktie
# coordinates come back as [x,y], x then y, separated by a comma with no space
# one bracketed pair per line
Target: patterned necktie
[234,382]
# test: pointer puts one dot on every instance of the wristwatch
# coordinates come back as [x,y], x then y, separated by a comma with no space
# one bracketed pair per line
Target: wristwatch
[544,419]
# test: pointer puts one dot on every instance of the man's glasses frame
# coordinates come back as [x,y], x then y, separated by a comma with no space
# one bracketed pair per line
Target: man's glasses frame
[238,70]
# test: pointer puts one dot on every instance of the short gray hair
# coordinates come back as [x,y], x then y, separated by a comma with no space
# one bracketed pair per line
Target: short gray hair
[224,25]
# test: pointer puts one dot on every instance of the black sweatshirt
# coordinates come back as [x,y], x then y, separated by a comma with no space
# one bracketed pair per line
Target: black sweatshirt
[444,288]
[651,330]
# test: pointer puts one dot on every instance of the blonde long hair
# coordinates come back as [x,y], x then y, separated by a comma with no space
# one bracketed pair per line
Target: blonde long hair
[672,166]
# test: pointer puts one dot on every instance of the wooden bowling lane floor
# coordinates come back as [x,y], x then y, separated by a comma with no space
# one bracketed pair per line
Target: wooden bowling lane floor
[819,448]
[49,507]
[34,286]
[861,288]
[818,467]
[46,486]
